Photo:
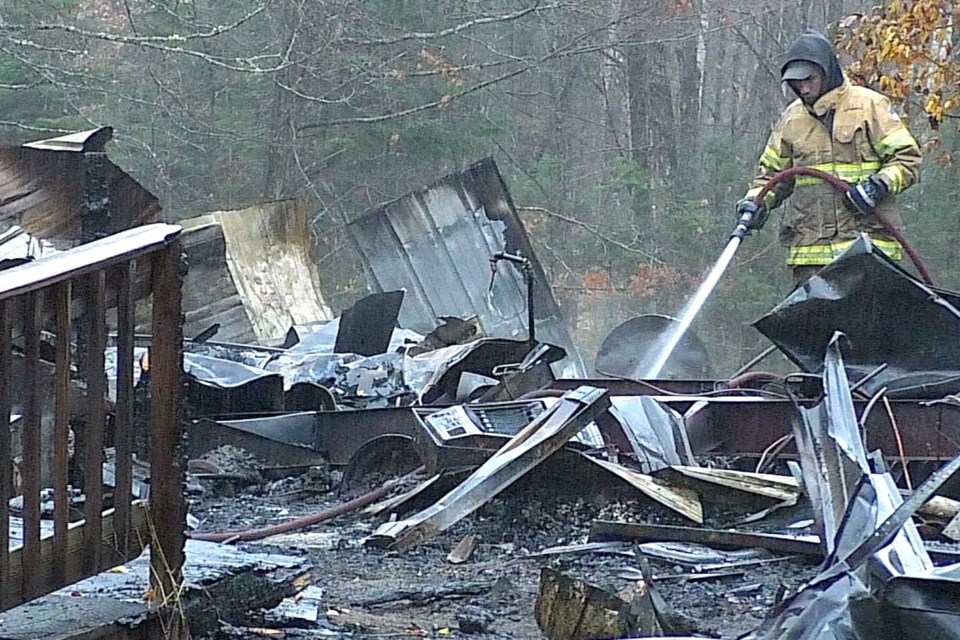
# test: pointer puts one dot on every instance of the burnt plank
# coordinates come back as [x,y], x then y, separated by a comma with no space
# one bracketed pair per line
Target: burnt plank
[166,478]
[123,277]
[30,438]
[95,331]
[61,428]
[7,591]
[86,259]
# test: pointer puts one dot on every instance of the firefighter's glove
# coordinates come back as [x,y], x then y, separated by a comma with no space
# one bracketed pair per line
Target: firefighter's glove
[864,197]
[758,215]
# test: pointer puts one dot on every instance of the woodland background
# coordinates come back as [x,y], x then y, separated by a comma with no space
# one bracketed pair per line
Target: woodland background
[625,129]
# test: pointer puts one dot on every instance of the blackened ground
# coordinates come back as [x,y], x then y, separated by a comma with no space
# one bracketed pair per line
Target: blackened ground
[372,593]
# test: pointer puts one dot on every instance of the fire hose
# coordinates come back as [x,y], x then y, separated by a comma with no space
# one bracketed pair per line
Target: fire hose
[743,225]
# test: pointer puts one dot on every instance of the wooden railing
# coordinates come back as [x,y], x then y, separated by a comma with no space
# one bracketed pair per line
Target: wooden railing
[66,295]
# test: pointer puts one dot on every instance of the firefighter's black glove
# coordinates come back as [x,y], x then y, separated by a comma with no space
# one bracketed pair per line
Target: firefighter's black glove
[758,215]
[864,197]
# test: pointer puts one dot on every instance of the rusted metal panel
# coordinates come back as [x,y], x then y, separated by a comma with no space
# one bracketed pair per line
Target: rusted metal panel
[205,435]
[252,271]
[340,434]
[747,426]
[437,244]
[46,189]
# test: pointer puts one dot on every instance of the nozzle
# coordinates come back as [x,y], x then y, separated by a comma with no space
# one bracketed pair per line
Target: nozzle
[743,226]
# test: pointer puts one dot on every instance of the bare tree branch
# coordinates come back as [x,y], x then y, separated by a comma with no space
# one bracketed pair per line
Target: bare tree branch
[463,26]
[593,229]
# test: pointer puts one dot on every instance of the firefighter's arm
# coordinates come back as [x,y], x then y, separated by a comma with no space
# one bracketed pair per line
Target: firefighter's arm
[777,156]
[898,150]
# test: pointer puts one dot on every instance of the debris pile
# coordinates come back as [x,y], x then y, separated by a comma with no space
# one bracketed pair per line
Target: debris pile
[441,458]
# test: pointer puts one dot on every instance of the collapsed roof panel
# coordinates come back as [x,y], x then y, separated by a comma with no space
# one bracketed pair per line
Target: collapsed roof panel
[870,299]
[866,524]
[252,272]
[437,244]
[65,190]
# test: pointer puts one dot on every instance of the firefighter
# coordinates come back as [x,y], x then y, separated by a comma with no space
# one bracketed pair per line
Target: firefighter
[849,131]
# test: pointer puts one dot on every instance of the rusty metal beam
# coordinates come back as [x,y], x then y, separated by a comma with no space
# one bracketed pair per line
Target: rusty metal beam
[749,426]
[535,443]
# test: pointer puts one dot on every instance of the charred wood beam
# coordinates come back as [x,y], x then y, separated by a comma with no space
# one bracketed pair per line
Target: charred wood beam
[642,532]
[6,461]
[31,443]
[427,594]
[166,455]
[61,430]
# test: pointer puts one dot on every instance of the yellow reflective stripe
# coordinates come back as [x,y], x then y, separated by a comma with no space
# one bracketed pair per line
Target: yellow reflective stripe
[773,160]
[896,178]
[821,254]
[848,172]
[896,139]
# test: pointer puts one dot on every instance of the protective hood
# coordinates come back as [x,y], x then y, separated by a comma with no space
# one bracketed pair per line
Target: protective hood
[814,47]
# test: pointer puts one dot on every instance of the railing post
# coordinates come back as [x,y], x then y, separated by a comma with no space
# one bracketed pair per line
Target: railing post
[166,464]
[31,442]
[96,339]
[6,456]
[61,284]
[123,425]
[61,429]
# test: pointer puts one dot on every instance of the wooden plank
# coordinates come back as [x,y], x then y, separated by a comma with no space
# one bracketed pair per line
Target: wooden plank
[602,530]
[780,488]
[77,536]
[124,276]
[166,494]
[6,458]
[86,259]
[95,330]
[61,429]
[686,502]
[31,442]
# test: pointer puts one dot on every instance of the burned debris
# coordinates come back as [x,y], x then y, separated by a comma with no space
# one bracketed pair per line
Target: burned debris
[437,461]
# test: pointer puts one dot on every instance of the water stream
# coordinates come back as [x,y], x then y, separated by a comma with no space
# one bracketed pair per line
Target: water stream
[669,341]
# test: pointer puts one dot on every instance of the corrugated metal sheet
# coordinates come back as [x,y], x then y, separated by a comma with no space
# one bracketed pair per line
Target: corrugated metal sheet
[436,243]
[43,186]
[251,270]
